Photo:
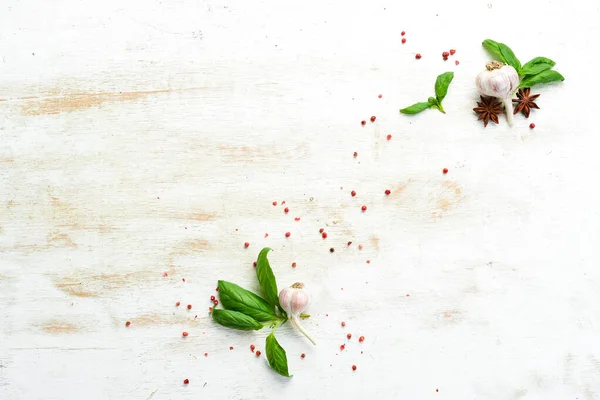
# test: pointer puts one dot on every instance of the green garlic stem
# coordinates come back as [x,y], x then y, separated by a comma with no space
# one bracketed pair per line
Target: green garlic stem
[295,322]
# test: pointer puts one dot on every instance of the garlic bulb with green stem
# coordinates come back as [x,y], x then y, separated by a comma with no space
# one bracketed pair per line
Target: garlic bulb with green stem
[294,300]
[500,81]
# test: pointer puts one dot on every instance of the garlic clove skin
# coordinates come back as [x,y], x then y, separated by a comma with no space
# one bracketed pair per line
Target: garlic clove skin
[294,300]
[500,81]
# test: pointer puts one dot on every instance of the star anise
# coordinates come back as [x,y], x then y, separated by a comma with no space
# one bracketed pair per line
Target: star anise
[525,102]
[488,109]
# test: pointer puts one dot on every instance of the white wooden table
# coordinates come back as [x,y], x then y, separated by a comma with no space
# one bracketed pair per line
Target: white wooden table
[147,137]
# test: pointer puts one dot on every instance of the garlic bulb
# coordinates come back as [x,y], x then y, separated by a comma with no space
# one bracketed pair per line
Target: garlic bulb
[294,300]
[499,80]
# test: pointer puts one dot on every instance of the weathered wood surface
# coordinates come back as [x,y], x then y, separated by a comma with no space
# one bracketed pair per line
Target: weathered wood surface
[145,137]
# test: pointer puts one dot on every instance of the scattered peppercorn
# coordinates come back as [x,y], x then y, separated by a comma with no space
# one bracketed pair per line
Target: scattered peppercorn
[403,40]
[302,355]
[354,368]
[230,347]
[297,219]
[286,210]
[445,54]
[186,381]
[252,347]
[254,264]
[418,56]
[258,353]
[127,323]
[343,323]
[361,339]
[389,137]
[342,347]
[177,304]
[402,33]
[321,230]
[331,250]
[324,235]
[287,234]
[216,302]
[184,334]
[355,154]
[452,51]
[246,244]
[349,243]
[353,193]
[205,354]
[209,309]
[293,265]
[274,203]
[212,298]
[368,261]
[456,62]
[380,96]
[363,122]
[531,126]
[373,118]
[360,246]
[445,171]
[387,192]
[349,336]
[445,58]
[189,306]
[364,208]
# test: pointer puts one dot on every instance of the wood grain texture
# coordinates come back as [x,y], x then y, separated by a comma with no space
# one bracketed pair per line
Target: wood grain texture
[142,143]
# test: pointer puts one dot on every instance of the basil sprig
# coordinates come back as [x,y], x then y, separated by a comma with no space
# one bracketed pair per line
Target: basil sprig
[236,320]
[441,90]
[266,278]
[239,299]
[248,311]
[534,72]
[276,356]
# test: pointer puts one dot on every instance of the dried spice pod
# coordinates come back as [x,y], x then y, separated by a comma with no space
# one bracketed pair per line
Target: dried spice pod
[488,109]
[525,101]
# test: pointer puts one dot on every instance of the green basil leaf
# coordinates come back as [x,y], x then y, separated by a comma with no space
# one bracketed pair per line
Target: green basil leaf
[266,278]
[537,65]
[239,299]
[492,46]
[236,320]
[276,356]
[441,85]
[546,76]
[416,108]
[433,101]
[509,57]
